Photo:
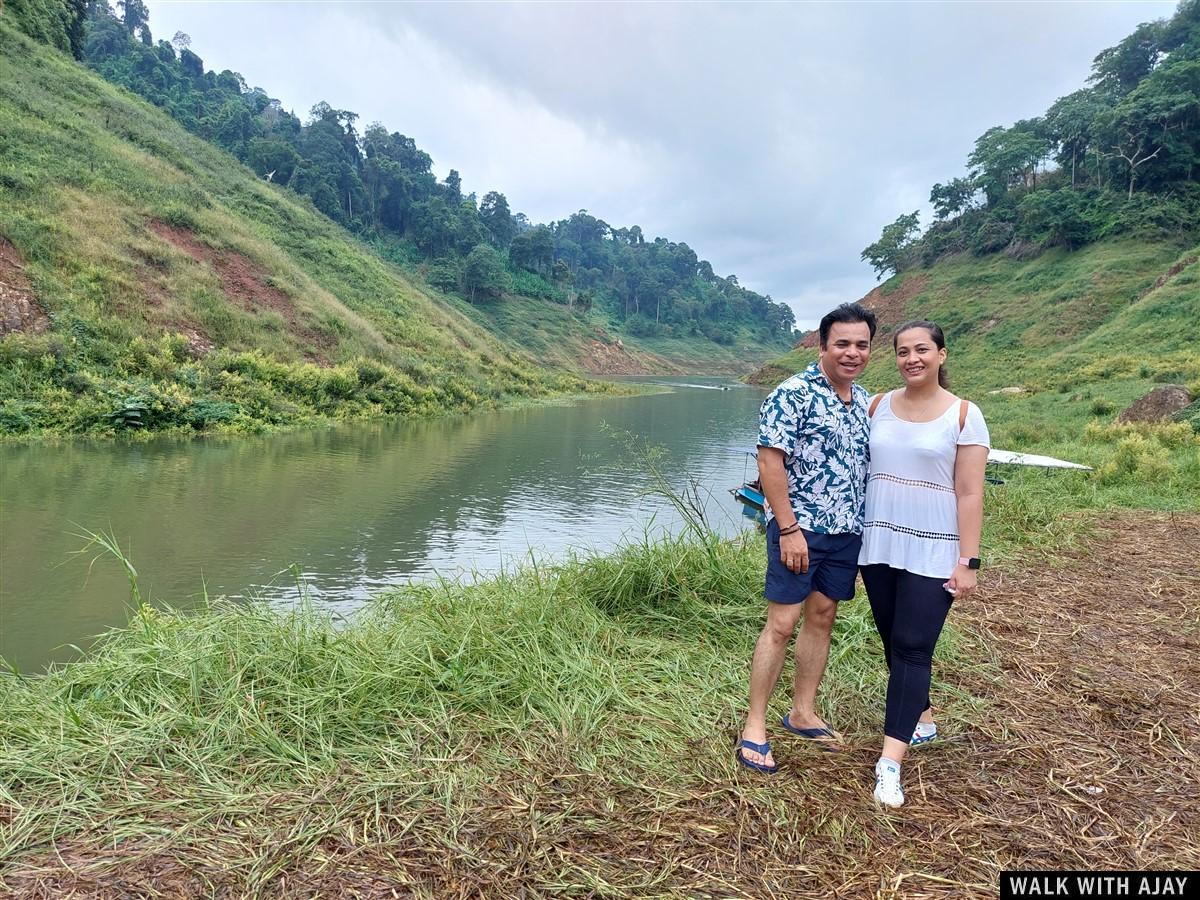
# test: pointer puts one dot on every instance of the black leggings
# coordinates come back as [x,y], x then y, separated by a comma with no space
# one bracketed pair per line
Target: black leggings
[909,612]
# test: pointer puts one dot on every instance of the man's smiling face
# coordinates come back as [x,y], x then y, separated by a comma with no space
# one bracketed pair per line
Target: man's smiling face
[846,351]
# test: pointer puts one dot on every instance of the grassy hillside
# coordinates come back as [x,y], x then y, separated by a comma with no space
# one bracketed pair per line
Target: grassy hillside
[149,281]
[594,342]
[1084,333]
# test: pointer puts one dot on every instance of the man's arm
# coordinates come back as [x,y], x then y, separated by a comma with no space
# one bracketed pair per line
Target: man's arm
[793,549]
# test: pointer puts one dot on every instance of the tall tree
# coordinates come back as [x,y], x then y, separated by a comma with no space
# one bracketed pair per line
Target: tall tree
[953,197]
[893,251]
[136,18]
[1004,156]
[497,218]
[484,274]
[1118,70]
[1070,123]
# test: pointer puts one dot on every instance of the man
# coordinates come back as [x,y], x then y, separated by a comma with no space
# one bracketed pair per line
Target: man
[812,462]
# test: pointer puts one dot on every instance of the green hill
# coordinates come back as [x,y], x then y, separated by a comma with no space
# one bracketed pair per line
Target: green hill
[1063,267]
[149,281]
[575,292]
[1082,333]
[1121,309]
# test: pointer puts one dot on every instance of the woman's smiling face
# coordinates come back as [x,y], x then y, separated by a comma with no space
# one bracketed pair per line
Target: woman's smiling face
[918,357]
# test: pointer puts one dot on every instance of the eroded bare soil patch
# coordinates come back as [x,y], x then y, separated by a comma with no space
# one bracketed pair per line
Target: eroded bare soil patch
[1086,757]
[245,284]
[19,309]
[889,308]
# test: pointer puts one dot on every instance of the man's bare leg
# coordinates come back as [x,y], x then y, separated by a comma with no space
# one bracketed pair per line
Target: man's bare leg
[812,653]
[769,654]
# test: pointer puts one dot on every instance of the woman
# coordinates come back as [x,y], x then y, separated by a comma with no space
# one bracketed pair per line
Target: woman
[921,538]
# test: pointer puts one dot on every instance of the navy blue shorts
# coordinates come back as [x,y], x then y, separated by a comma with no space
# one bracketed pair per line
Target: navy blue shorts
[832,567]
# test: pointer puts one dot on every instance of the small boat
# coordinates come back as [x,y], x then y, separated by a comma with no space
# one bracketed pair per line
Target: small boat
[1011,458]
[753,502]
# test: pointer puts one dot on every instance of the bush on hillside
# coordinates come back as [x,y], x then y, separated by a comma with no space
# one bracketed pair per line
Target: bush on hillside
[1054,218]
[993,236]
[1190,416]
[59,23]
[1138,459]
[445,274]
[640,325]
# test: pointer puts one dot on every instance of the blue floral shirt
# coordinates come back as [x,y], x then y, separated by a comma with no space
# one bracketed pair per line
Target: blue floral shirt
[825,446]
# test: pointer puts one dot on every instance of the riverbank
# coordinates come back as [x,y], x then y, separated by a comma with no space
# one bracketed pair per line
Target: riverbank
[467,729]
[251,393]
[569,728]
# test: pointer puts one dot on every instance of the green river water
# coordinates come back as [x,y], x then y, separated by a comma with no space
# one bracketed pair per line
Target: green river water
[354,509]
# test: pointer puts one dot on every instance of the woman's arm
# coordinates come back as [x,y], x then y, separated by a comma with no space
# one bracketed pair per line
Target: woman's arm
[969,465]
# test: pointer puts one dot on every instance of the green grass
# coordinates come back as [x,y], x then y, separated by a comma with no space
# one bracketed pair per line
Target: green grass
[91,178]
[236,717]
[1086,334]
[198,734]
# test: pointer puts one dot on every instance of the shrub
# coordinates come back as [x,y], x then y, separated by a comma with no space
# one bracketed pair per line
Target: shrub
[1137,458]
[640,325]
[1190,416]
[340,383]
[369,372]
[942,239]
[1054,218]
[530,284]
[1174,435]
[1102,406]
[15,418]
[992,237]
[203,413]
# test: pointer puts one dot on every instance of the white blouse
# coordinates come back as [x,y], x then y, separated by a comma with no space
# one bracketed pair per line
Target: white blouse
[912,510]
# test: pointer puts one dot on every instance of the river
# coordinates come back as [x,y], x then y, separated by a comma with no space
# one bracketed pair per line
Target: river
[352,509]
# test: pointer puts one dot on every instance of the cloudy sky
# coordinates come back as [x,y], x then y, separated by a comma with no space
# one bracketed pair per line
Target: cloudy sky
[775,139]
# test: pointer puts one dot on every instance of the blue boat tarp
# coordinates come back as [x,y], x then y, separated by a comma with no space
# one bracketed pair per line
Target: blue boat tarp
[753,502]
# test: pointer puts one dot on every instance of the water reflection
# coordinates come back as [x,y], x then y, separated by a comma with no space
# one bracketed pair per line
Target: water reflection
[355,508]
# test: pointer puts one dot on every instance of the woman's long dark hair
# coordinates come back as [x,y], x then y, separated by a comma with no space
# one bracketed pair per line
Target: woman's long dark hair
[938,338]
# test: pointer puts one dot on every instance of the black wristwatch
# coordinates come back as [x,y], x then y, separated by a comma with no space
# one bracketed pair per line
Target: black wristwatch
[971,562]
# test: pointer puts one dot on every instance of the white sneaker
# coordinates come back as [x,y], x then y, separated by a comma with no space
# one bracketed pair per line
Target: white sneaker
[924,733]
[887,783]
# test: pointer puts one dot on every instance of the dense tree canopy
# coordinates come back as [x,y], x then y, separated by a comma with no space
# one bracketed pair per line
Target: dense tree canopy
[1121,155]
[59,23]
[381,185]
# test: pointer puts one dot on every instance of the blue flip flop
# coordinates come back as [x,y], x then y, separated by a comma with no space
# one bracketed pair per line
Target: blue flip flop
[764,749]
[825,738]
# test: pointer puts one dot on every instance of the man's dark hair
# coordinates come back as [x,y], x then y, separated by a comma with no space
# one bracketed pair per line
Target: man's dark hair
[847,312]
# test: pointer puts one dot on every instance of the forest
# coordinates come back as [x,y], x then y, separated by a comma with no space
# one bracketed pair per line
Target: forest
[1120,156]
[380,185]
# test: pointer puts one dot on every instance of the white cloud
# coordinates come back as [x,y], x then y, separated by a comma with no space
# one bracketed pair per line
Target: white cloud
[775,139]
